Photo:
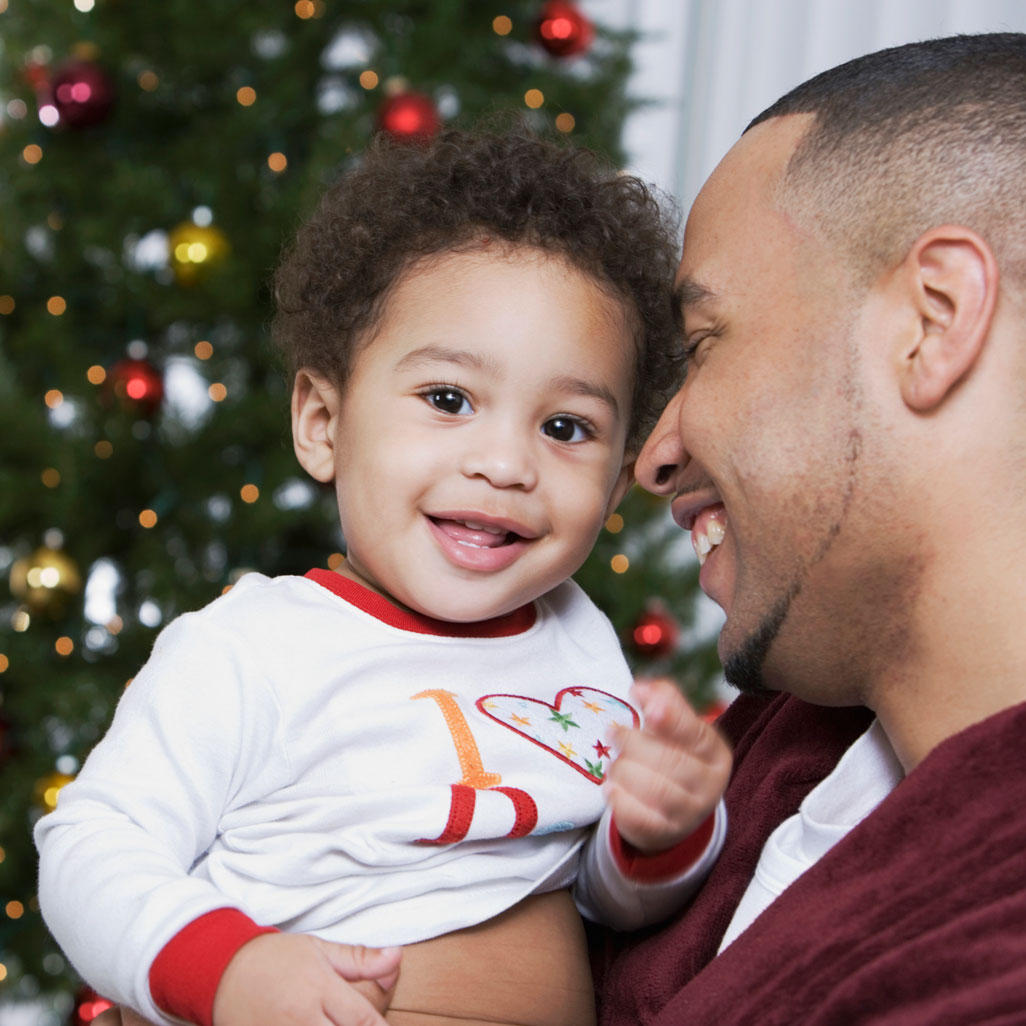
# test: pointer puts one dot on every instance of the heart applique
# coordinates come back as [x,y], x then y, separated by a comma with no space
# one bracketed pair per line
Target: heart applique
[575,728]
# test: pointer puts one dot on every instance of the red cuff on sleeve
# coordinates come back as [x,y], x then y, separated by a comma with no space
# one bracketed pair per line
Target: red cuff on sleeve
[185,974]
[661,865]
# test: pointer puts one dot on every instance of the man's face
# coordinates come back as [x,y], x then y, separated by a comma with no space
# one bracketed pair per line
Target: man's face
[762,446]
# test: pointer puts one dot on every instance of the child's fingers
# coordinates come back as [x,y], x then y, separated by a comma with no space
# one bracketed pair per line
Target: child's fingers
[648,828]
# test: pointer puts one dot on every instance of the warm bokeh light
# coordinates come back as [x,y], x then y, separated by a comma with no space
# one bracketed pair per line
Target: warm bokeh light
[369,79]
[14,909]
[217,392]
[620,564]
[502,25]
[203,350]
[6,305]
[64,646]
[614,525]
[249,493]
[53,398]
[246,96]
[51,477]
[96,375]
[277,162]
[148,80]
[148,518]
[335,560]
[305,9]
[565,122]
[56,305]
[103,449]
[32,154]
[4,664]
[534,98]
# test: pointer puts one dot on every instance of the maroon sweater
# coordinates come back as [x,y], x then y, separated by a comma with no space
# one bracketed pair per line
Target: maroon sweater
[918,916]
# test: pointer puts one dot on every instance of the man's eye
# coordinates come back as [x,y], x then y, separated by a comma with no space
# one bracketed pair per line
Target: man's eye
[449,400]
[566,429]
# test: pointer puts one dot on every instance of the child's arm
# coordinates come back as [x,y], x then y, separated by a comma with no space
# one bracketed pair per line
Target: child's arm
[664,823]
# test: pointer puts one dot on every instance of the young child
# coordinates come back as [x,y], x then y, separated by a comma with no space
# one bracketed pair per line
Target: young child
[416,745]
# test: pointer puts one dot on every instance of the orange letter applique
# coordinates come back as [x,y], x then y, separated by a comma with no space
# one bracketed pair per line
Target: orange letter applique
[475,778]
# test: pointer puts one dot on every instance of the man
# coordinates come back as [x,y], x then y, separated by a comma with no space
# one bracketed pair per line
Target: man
[849,447]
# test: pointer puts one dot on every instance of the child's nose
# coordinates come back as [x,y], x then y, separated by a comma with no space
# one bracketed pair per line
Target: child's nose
[505,459]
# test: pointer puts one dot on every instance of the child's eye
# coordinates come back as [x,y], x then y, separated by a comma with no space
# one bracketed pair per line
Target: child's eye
[447,399]
[567,429]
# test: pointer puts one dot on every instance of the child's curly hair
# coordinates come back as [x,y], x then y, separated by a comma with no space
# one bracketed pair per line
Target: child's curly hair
[402,202]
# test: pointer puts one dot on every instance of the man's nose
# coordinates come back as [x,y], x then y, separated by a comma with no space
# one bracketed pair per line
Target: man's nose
[663,455]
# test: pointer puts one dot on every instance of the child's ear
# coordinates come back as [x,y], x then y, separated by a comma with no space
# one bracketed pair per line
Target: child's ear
[952,276]
[315,405]
[622,486]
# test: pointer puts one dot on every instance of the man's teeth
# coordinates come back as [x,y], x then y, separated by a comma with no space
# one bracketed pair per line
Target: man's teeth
[705,542]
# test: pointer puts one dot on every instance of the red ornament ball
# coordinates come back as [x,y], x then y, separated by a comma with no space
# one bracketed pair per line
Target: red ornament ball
[82,93]
[410,117]
[562,30]
[136,385]
[88,1005]
[655,634]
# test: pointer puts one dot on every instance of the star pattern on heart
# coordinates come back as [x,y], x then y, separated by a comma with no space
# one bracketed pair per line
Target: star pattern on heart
[575,727]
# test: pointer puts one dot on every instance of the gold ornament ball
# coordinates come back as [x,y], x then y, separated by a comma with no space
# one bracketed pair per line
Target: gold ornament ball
[45,581]
[195,249]
[49,787]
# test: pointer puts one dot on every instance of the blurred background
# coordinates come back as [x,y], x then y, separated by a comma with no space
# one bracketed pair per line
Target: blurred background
[153,159]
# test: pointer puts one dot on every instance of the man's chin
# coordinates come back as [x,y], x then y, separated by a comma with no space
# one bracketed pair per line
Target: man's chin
[744,666]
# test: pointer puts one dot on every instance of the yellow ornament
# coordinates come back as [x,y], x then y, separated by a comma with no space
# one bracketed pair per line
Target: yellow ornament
[194,249]
[45,581]
[49,787]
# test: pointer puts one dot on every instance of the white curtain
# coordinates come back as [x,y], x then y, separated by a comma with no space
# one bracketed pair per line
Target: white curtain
[712,65]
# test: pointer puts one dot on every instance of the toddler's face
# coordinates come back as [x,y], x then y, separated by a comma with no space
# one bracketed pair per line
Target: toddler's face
[480,439]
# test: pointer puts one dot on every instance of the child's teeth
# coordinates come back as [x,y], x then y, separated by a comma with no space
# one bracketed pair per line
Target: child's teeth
[483,527]
[716,532]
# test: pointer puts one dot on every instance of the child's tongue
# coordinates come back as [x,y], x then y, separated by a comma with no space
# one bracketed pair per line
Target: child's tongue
[472,535]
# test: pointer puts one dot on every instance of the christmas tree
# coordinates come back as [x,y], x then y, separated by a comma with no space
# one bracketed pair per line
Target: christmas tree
[156,157]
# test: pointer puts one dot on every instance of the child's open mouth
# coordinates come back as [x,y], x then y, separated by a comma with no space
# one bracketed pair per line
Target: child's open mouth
[475,533]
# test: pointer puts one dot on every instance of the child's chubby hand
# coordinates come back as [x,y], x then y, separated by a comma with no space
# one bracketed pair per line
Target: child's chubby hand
[292,979]
[670,773]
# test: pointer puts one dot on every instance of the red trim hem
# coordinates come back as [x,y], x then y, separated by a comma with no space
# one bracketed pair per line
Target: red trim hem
[356,594]
[186,973]
[662,865]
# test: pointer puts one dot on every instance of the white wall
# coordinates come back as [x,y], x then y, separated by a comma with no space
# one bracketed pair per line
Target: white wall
[712,65]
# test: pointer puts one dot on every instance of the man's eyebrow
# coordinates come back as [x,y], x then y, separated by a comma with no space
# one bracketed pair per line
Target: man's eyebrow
[445,354]
[689,292]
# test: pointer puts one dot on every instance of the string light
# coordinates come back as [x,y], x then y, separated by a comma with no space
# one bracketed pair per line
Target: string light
[502,25]
[534,98]
[14,909]
[203,350]
[51,477]
[64,646]
[217,392]
[335,560]
[32,154]
[4,664]
[148,518]
[96,375]
[369,79]
[620,564]
[565,122]
[246,96]
[277,162]
[614,525]
[6,305]
[53,398]
[56,305]
[148,80]
[103,449]
[249,493]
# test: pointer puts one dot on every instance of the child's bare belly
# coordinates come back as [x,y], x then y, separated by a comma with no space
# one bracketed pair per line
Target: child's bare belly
[527,967]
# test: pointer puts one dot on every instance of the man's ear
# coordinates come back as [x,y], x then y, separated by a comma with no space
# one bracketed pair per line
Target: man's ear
[622,486]
[953,276]
[315,406]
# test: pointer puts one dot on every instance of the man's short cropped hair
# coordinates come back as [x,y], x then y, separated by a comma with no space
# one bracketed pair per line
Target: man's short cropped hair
[910,138]
[400,203]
